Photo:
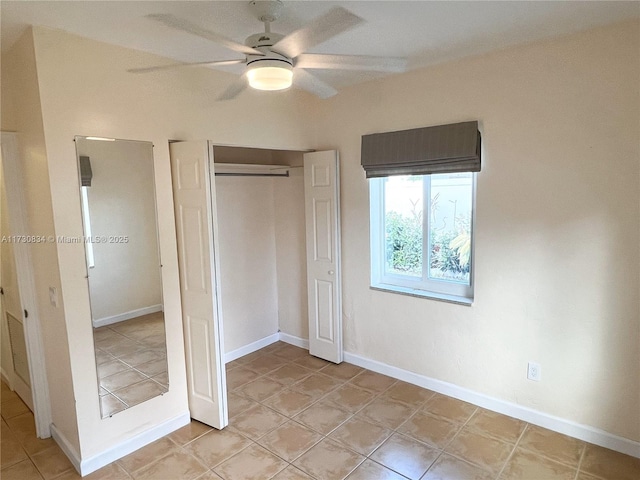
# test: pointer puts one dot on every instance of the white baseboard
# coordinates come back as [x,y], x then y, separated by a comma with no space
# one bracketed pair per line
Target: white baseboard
[297,341]
[557,424]
[252,347]
[95,462]
[68,449]
[121,317]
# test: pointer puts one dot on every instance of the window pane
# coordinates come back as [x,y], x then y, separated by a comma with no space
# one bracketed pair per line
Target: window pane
[403,199]
[450,227]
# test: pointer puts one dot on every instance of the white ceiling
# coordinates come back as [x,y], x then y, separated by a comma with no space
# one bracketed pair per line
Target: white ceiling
[427,32]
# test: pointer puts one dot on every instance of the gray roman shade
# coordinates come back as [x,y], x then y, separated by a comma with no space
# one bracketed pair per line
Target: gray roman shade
[422,151]
[85,171]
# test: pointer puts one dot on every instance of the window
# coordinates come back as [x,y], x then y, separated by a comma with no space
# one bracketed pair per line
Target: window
[422,235]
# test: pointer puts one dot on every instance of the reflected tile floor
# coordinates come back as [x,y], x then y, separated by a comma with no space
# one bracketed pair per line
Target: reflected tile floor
[295,417]
[131,358]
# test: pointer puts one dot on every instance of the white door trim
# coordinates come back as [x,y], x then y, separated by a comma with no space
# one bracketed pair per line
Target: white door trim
[26,284]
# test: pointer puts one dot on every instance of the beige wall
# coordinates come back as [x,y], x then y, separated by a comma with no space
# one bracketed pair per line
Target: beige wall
[248,281]
[291,254]
[86,90]
[557,234]
[20,89]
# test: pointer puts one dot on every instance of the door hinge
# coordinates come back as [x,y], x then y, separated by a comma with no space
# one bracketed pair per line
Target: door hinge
[26,314]
[1,291]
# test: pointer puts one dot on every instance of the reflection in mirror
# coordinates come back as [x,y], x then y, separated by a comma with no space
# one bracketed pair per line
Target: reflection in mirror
[117,195]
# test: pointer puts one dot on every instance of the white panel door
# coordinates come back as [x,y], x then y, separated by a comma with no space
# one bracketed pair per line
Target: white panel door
[322,212]
[194,201]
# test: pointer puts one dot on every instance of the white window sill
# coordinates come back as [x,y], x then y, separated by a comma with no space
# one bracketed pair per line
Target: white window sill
[442,297]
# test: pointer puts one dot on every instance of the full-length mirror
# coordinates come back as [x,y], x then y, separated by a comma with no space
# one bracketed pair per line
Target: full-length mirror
[124,273]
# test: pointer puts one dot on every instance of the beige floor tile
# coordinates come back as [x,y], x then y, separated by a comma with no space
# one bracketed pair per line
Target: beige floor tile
[449,408]
[13,407]
[111,367]
[374,382]
[147,454]
[240,376]
[103,357]
[266,364]
[609,465]
[273,347]
[153,368]
[585,476]
[349,397]
[496,425]
[290,440]
[386,412]
[189,432]
[163,380]
[343,371]
[289,374]
[209,475]
[449,468]
[360,436]
[51,462]
[253,463]
[552,445]
[370,470]
[488,453]
[113,471]
[121,380]
[22,425]
[140,392]
[406,393]
[110,404]
[289,402]
[176,465]
[11,451]
[260,389]
[238,404]
[142,356]
[524,465]
[8,395]
[290,352]
[436,431]
[257,421]
[322,417]
[310,362]
[216,446]
[317,385]
[292,473]
[24,470]
[329,460]
[405,456]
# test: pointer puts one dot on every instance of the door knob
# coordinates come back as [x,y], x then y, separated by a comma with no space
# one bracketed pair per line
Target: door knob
[331,272]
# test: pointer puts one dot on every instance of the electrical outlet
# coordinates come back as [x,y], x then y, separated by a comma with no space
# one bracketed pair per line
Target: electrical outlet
[534,371]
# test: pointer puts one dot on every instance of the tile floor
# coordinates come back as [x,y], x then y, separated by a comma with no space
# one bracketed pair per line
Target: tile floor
[131,358]
[295,417]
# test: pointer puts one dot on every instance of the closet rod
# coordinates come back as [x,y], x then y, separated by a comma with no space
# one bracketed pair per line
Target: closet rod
[222,174]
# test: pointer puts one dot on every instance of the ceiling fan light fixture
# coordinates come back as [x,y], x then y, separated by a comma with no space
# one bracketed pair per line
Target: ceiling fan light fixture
[270,75]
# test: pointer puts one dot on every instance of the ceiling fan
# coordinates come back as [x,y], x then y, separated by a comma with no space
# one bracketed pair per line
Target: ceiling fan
[275,61]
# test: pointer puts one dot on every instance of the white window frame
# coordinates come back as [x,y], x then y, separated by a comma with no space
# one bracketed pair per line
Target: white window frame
[423,286]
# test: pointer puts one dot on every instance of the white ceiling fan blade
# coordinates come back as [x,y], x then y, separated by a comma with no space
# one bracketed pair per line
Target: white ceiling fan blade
[235,89]
[186,26]
[218,63]
[312,84]
[335,21]
[351,62]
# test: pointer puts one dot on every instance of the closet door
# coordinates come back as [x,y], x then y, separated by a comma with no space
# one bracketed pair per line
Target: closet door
[194,203]
[322,212]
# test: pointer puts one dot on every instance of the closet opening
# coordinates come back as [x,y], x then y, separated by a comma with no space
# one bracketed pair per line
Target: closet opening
[260,203]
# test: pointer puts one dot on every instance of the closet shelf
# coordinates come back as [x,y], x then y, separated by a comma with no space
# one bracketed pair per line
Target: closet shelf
[251,169]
